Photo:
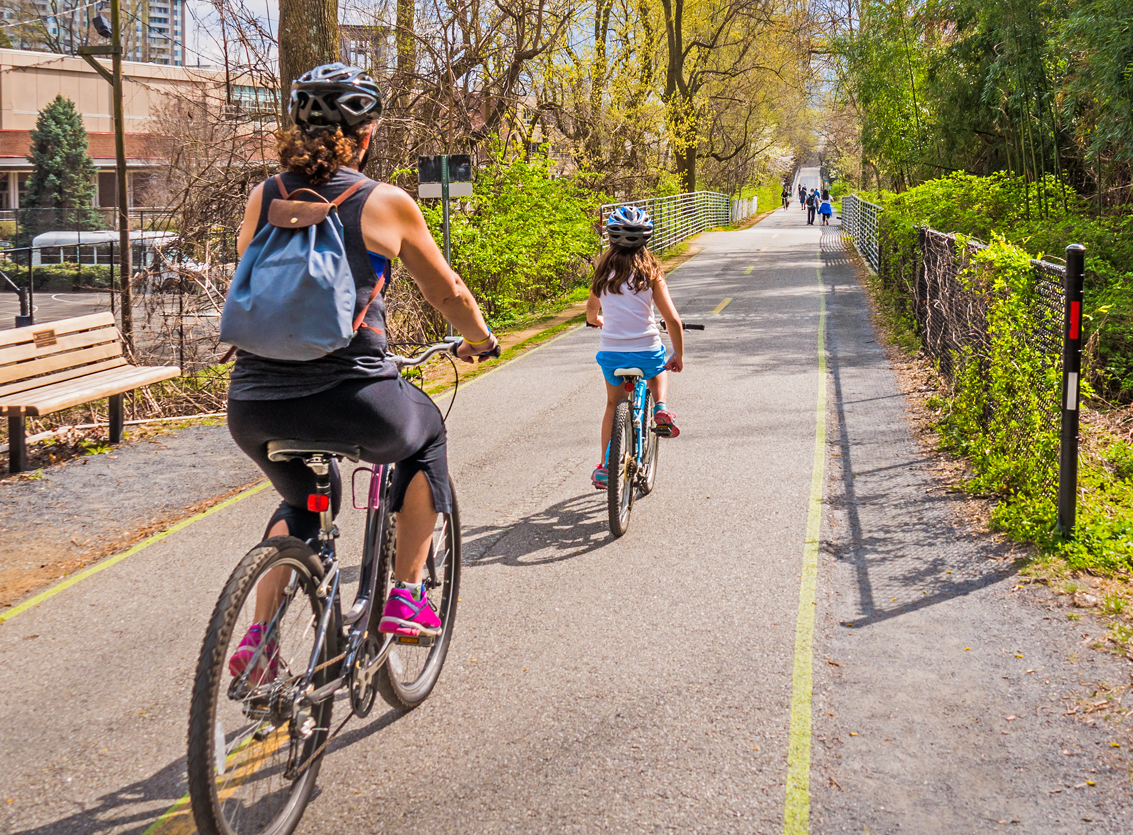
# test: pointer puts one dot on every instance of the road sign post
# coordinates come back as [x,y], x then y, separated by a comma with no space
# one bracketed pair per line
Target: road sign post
[1071,384]
[445,176]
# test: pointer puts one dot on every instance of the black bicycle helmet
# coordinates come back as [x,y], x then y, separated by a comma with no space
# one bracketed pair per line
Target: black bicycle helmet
[629,227]
[334,95]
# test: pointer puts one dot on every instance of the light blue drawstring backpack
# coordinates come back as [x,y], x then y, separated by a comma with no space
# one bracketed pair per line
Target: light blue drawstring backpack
[292,296]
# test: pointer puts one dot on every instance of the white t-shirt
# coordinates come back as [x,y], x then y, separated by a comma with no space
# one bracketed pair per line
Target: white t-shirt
[629,321]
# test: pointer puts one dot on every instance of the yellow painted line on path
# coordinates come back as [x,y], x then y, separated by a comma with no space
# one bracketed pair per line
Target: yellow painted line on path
[129,552]
[750,267]
[796,811]
[721,306]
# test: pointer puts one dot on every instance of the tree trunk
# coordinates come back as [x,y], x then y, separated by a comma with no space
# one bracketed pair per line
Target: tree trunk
[308,36]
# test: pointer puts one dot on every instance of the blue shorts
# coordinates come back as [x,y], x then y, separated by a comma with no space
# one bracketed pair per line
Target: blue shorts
[650,362]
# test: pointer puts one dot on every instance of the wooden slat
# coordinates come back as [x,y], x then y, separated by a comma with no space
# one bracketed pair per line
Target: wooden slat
[59,362]
[28,350]
[75,392]
[77,385]
[61,376]
[62,326]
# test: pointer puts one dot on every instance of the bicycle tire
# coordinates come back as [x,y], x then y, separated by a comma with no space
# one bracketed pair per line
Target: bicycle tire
[410,672]
[620,471]
[650,445]
[216,807]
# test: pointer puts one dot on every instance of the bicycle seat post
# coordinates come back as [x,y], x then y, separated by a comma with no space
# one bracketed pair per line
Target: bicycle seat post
[320,500]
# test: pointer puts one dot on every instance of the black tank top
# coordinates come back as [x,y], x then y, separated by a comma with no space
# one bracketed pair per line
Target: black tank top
[258,378]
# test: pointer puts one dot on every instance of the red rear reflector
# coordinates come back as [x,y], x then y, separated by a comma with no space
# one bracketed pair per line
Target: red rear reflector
[317,503]
[629,386]
[1075,317]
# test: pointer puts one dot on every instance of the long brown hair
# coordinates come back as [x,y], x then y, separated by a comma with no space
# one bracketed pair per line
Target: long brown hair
[618,267]
[318,155]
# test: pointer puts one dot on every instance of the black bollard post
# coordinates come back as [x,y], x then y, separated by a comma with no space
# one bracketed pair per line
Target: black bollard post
[1071,379]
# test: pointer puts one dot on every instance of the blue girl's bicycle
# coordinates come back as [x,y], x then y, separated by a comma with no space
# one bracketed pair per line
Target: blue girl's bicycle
[631,462]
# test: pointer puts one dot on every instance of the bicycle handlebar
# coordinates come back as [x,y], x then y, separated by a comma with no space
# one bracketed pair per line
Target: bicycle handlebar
[448,346]
[688,326]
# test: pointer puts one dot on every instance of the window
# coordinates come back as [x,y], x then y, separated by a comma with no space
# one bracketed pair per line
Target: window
[22,185]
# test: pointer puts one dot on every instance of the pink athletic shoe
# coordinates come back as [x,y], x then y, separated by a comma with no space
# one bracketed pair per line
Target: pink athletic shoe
[267,662]
[403,615]
[666,424]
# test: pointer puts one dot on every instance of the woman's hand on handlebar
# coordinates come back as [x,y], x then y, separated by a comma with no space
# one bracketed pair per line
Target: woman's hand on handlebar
[468,352]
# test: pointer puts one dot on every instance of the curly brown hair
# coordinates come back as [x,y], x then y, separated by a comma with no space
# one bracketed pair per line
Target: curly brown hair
[317,156]
[618,267]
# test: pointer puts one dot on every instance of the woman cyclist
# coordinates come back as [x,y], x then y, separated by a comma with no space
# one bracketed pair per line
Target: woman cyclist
[353,395]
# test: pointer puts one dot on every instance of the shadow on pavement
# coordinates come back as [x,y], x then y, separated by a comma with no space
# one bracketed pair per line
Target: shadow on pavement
[112,812]
[565,530]
[906,552]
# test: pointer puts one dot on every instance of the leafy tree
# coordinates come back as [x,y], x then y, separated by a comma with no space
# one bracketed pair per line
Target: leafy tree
[60,191]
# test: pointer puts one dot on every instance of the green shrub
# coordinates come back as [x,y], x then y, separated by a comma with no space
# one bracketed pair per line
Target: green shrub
[70,277]
[526,236]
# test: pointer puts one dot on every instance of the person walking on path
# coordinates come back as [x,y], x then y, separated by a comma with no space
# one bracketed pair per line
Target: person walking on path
[811,207]
[627,292]
[802,196]
[824,208]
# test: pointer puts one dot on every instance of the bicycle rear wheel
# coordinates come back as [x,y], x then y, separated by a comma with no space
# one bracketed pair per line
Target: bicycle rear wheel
[414,664]
[252,762]
[620,470]
[650,444]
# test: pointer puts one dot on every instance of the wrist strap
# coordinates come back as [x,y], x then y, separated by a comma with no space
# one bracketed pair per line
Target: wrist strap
[475,344]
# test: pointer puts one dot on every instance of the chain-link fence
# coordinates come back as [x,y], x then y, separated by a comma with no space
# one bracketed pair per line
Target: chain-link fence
[178,290]
[999,344]
[677,217]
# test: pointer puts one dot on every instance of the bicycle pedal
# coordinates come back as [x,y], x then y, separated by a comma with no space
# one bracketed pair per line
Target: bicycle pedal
[661,431]
[417,641]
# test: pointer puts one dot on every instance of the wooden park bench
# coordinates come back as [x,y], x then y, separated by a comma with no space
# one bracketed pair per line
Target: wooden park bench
[45,368]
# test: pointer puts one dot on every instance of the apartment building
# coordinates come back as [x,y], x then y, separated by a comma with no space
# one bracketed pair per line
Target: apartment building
[29,81]
[153,31]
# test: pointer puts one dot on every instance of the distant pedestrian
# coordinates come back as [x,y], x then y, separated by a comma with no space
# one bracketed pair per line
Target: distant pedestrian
[786,195]
[824,208]
[802,197]
[812,201]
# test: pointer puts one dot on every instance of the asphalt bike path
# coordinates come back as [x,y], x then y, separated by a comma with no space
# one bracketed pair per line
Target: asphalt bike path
[593,685]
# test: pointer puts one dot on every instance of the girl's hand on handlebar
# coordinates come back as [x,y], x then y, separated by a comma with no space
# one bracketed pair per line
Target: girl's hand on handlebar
[675,364]
[467,352]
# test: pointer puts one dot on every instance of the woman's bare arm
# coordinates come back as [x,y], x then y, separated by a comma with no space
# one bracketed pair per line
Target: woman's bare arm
[392,224]
[593,306]
[251,218]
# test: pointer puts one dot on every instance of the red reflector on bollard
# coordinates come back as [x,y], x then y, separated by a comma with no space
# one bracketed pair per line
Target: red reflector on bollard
[317,503]
[1075,316]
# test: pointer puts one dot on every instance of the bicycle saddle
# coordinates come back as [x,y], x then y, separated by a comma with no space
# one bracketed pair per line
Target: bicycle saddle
[628,372]
[285,450]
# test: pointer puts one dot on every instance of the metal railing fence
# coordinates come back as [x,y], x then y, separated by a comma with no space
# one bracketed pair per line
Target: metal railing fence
[860,220]
[743,207]
[678,216]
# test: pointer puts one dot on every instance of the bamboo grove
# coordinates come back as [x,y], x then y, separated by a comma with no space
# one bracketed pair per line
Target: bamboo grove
[1039,89]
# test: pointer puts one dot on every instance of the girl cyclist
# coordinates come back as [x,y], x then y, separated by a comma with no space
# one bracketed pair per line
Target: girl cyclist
[353,395]
[627,283]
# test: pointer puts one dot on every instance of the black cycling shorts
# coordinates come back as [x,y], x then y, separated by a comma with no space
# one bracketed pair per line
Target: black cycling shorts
[391,420]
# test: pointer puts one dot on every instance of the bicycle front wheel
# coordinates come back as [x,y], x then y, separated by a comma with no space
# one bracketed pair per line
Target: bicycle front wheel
[414,664]
[253,758]
[620,470]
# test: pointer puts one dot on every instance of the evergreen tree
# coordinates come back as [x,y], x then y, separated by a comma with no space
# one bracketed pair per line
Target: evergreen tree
[60,191]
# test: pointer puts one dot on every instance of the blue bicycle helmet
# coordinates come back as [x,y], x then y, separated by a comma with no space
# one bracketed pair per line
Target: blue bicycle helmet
[629,227]
[333,95]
